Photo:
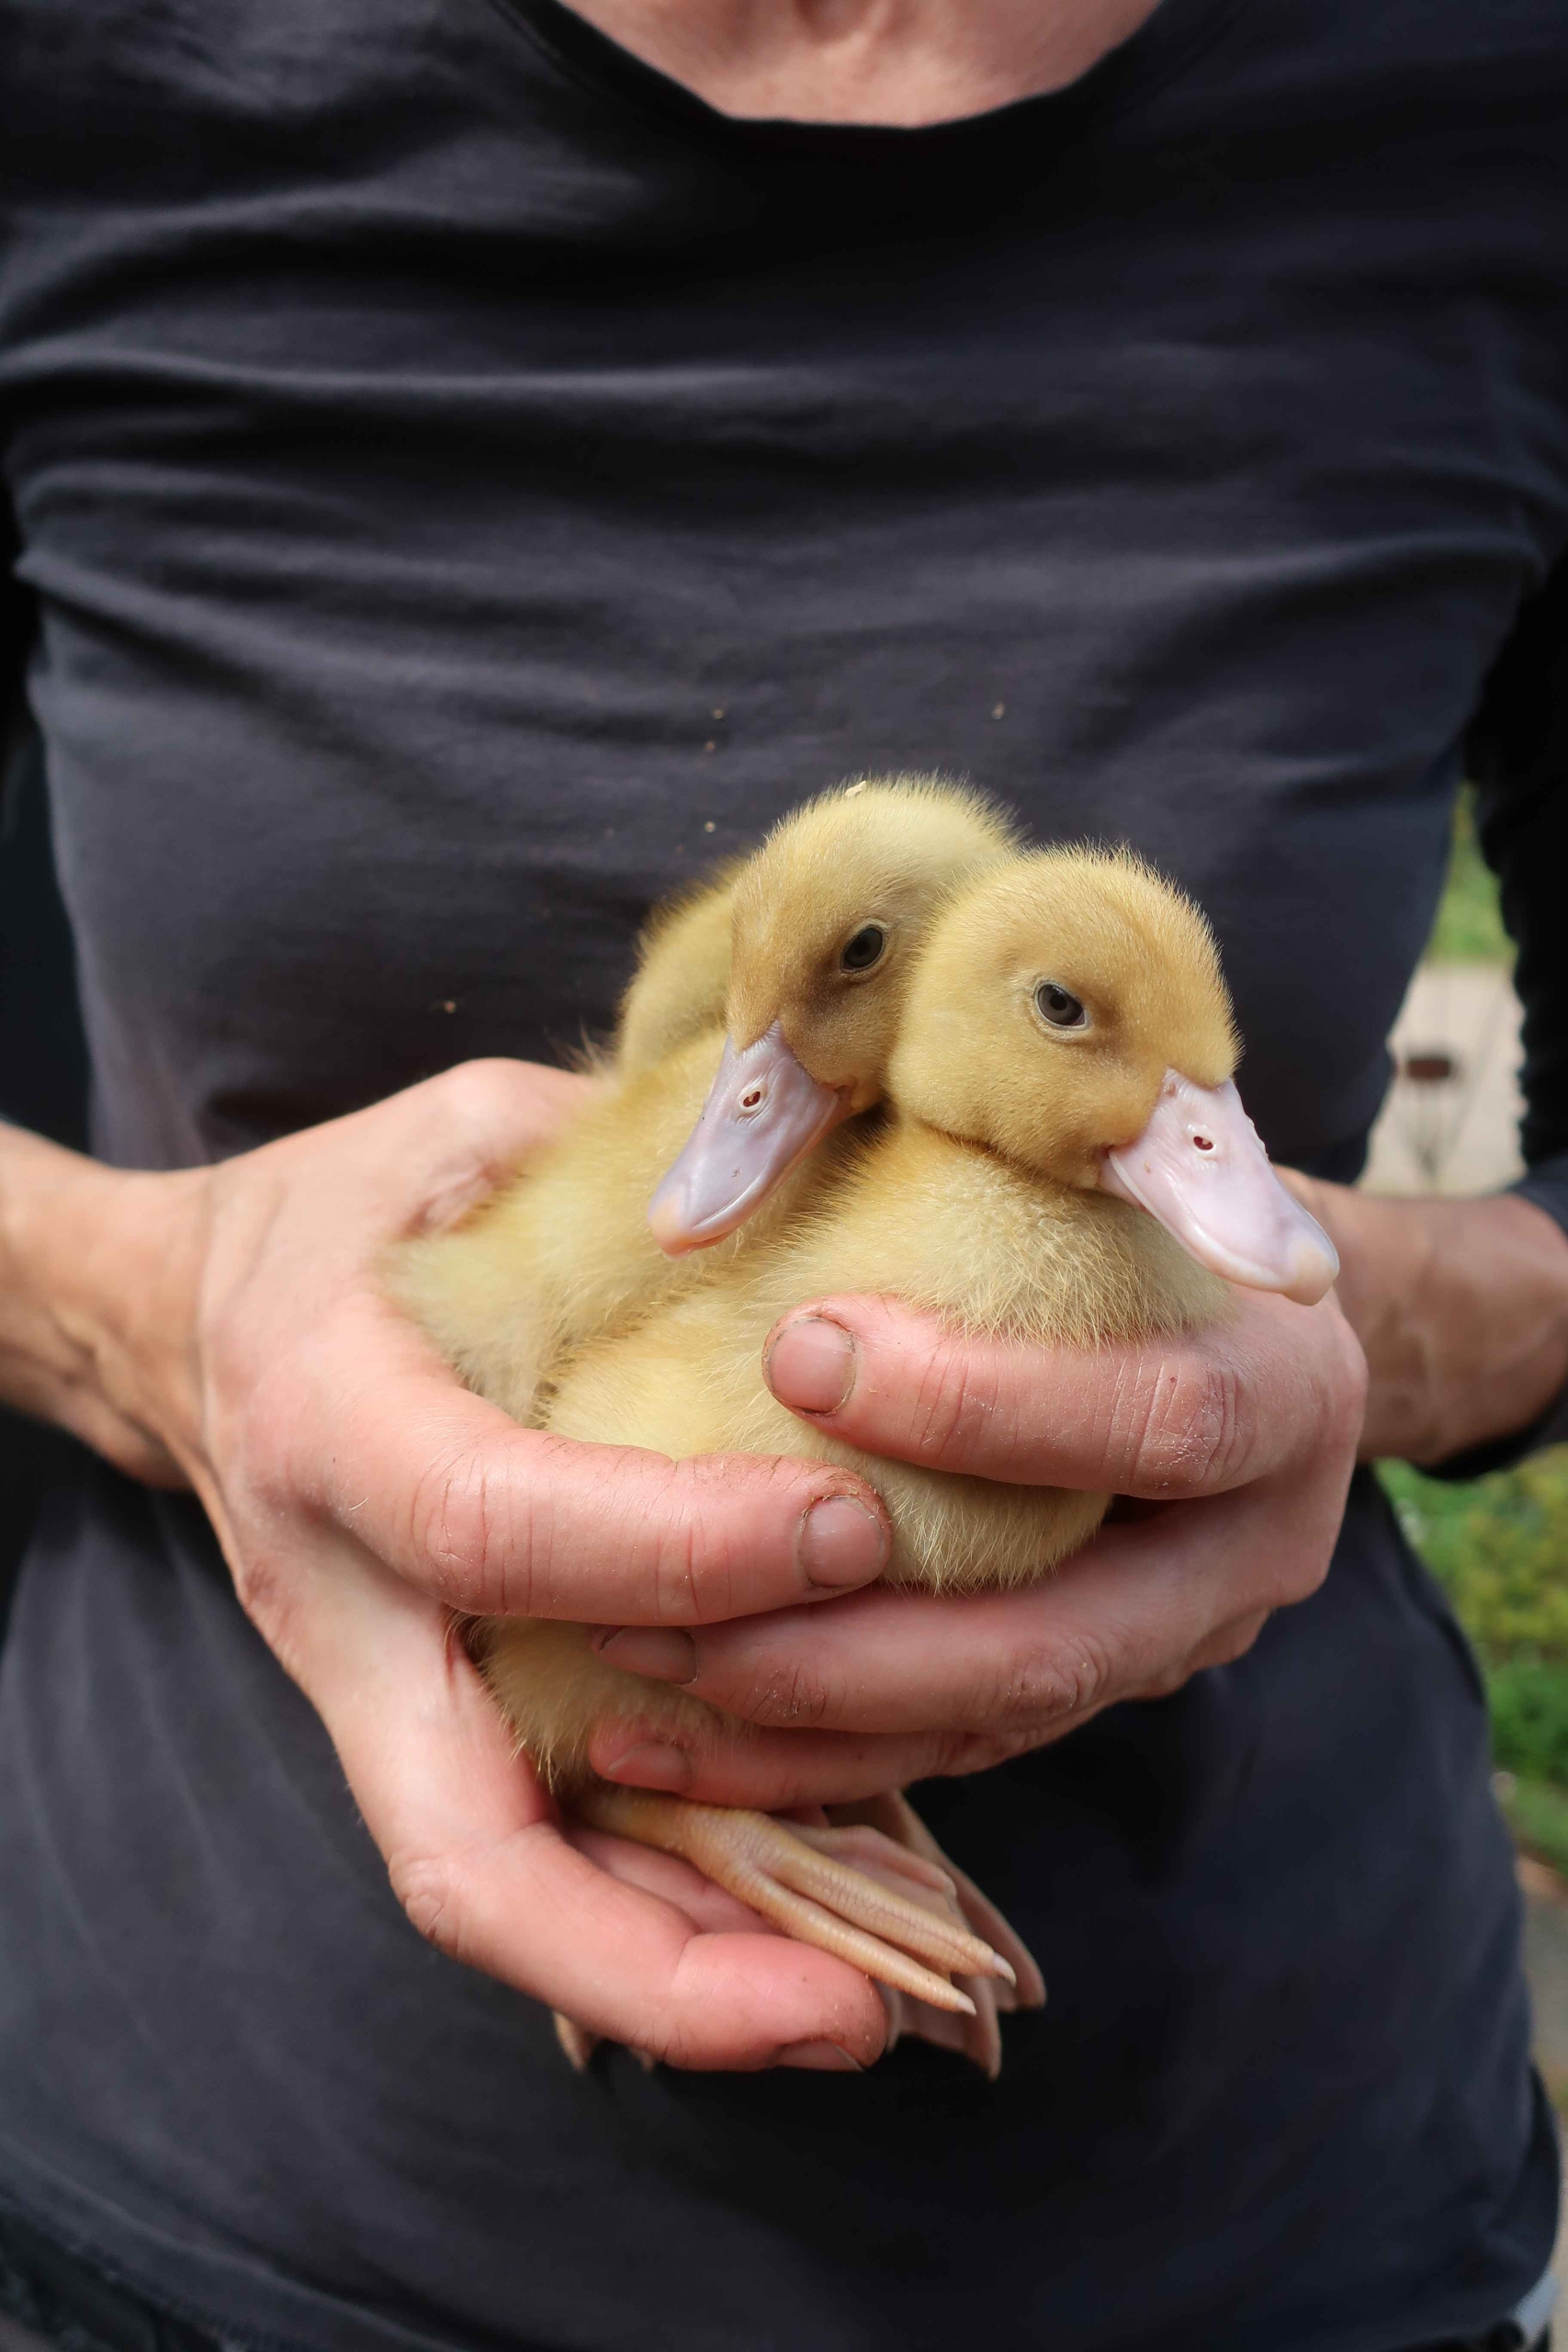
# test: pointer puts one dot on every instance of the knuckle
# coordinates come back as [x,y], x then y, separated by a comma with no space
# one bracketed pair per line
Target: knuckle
[265,1593]
[471,1094]
[1233,1641]
[949,1403]
[1299,1569]
[1188,1429]
[796,1698]
[678,1573]
[669,2034]
[956,1754]
[1344,1405]
[427,1888]
[1043,1687]
[695,1554]
[718,1525]
[263,1448]
[463,1523]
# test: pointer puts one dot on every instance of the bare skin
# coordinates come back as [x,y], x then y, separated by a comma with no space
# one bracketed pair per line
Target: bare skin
[224,1328]
[900,62]
[1461,1307]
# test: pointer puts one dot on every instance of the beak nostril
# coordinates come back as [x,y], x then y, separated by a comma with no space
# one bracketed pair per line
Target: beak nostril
[1203,1143]
[751,1098]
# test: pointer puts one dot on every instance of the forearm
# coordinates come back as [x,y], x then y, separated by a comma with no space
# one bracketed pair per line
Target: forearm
[84,1255]
[1462,1309]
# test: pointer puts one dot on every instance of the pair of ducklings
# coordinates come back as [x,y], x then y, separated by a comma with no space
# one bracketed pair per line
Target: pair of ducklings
[891,1052]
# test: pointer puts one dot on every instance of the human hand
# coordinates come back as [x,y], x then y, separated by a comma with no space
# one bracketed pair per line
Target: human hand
[226,1327]
[1237,1444]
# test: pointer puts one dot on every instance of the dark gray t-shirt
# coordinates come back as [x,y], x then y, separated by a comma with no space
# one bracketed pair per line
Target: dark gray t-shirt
[463,485]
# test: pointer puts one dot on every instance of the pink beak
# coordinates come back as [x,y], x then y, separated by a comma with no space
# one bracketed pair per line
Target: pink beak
[1200,1169]
[764,1113]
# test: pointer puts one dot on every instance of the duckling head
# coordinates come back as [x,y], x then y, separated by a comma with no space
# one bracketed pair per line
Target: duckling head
[828,917]
[1069,1013]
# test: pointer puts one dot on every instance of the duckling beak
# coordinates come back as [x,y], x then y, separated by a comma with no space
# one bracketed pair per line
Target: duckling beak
[763,1113]
[1200,1169]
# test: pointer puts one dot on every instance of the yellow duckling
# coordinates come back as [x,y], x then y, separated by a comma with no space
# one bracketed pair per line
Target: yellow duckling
[1068,1162]
[678,990]
[565,1251]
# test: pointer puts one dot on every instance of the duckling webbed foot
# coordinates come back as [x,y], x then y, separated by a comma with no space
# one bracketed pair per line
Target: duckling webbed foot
[977,2038]
[902,1926]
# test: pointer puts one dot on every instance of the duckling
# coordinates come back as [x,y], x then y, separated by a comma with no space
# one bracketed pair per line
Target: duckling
[682,980]
[564,1251]
[1068,1161]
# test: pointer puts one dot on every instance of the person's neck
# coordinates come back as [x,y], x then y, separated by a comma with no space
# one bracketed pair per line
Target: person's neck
[900,63]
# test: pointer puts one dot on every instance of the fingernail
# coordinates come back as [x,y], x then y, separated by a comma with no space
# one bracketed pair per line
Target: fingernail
[842,1543]
[646,1764]
[819,2058]
[657,1653]
[811,1365]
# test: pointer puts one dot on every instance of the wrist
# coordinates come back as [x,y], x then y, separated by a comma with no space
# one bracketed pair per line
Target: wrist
[1461,1307]
[94,1281]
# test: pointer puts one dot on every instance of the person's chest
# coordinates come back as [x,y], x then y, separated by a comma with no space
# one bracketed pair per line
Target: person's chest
[456,512]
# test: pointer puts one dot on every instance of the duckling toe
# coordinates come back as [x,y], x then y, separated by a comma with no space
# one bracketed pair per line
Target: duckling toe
[575,2039]
[979,2039]
[915,1942]
[580,2045]
[897,1819]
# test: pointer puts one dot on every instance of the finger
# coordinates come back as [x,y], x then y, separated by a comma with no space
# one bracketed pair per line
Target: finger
[1143,1603]
[479,1862]
[778,1771]
[498,1520]
[1187,1414]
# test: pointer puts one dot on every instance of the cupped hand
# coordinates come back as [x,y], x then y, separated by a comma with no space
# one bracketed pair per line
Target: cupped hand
[1235,1446]
[226,1327]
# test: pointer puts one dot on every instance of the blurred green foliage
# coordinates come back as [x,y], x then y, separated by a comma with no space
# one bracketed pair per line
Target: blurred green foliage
[1537,1813]
[1500,1547]
[1468,928]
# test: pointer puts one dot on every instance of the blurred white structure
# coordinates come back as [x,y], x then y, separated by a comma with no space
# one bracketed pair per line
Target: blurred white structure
[1450,1123]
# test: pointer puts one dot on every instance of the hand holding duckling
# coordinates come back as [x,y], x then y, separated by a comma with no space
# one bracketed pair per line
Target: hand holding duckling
[225,1327]
[1236,1446]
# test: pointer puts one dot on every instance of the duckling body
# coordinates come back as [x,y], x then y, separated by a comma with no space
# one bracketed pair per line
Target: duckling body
[1066,1011]
[678,990]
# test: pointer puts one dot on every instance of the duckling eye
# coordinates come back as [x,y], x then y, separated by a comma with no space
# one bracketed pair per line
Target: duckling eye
[1059,1006]
[862,951]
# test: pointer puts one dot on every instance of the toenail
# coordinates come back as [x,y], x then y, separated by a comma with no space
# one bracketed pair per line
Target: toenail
[819,2058]
[842,1543]
[810,1366]
[646,1764]
[659,1653]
